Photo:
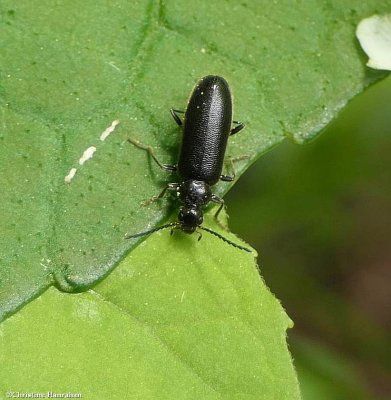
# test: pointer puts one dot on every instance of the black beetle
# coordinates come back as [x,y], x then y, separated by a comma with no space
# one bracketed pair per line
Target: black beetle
[206,126]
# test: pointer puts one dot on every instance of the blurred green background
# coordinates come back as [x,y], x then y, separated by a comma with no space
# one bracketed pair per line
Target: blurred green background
[320,217]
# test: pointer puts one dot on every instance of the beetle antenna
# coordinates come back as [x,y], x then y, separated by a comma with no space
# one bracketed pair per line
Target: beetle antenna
[225,239]
[171,224]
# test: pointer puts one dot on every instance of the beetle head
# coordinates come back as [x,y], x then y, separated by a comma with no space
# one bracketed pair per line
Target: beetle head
[190,219]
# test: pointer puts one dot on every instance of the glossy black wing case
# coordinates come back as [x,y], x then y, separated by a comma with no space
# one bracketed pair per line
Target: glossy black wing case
[207,126]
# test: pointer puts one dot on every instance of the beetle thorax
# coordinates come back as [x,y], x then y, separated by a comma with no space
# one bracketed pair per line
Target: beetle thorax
[194,194]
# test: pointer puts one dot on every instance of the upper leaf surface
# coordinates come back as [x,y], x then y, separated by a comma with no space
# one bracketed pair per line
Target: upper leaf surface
[177,319]
[68,69]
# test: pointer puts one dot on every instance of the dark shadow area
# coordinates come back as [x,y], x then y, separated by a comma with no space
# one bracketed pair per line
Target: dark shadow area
[320,217]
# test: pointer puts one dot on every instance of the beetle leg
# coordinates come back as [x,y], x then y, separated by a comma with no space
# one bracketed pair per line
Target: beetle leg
[239,126]
[149,150]
[176,226]
[219,200]
[170,187]
[227,178]
[176,117]
[232,161]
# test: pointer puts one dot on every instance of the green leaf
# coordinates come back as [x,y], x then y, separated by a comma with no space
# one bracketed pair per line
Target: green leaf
[176,319]
[69,69]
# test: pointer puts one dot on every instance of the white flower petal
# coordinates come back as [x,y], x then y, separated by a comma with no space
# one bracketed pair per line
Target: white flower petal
[374,34]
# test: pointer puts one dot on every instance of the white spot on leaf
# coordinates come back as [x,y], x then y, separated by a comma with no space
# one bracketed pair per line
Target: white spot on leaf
[71,175]
[109,130]
[87,155]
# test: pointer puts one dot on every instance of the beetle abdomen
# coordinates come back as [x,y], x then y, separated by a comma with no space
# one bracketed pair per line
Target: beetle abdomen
[207,126]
